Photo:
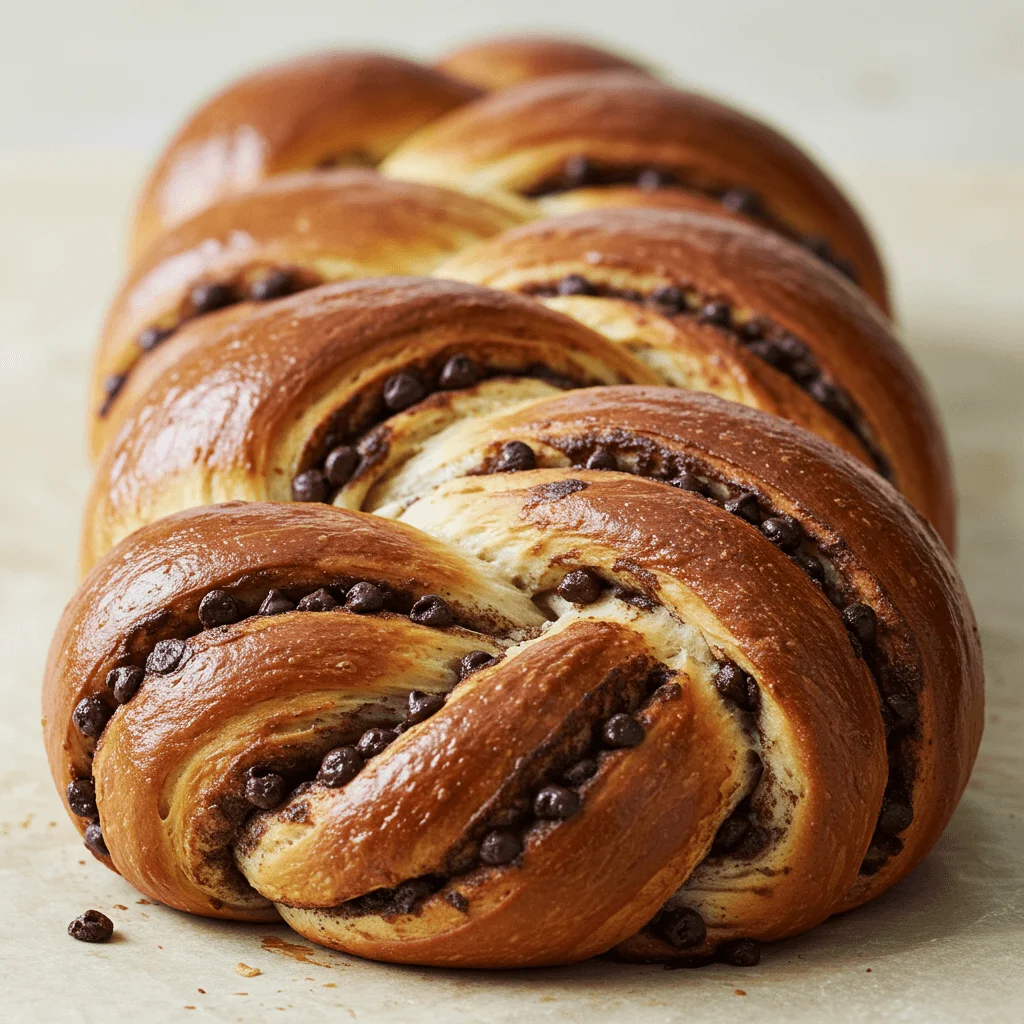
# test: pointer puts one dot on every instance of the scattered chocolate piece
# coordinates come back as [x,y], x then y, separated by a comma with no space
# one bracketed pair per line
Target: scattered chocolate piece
[92,926]
[90,716]
[896,815]
[681,927]
[474,661]
[622,730]
[742,200]
[499,847]
[670,298]
[575,284]
[423,705]
[274,285]
[208,296]
[81,794]
[373,741]
[364,597]
[340,464]
[166,656]
[515,456]
[578,773]
[309,485]
[124,682]
[275,603]
[740,953]
[402,390]
[431,610]
[319,601]
[266,791]
[94,840]
[717,313]
[218,608]
[339,766]
[555,802]
[811,566]
[688,482]
[862,622]
[783,531]
[581,586]
[602,458]
[458,372]
[151,337]
[457,900]
[746,507]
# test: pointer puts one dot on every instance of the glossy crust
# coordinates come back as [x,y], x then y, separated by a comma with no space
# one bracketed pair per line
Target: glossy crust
[757,274]
[315,226]
[509,60]
[346,107]
[518,139]
[280,691]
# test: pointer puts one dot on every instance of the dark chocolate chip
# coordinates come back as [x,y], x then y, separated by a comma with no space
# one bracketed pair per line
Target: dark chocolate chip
[111,389]
[650,179]
[339,766]
[751,330]
[166,656]
[555,802]
[581,586]
[766,349]
[832,397]
[124,682]
[576,171]
[459,372]
[734,684]
[94,840]
[862,623]
[602,458]
[340,464]
[152,336]
[499,847]
[578,773]
[896,816]
[903,708]
[688,482]
[208,296]
[402,390]
[92,926]
[622,730]
[742,200]
[266,791]
[81,796]
[309,485]
[90,716]
[474,661]
[730,832]
[431,610]
[373,741]
[717,313]
[218,608]
[783,531]
[457,900]
[515,456]
[670,299]
[740,953]
[810,565]
[319,601]
[423,705]
[752,843]
[746,507]
[514,814]
[681,927]
[275,603]
[273,285]
[574,284]
[364,597]
[409,895]
[753,695]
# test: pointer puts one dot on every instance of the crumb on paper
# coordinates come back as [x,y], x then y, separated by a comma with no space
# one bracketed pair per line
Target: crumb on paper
[738,992]
[246,971]
[120,906]
[868,971]
[201,991]
[145,903]
[240,993]
[330,984]
[27,821]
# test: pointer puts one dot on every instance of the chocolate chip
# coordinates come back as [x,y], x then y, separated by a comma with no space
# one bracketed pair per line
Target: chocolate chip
[555,802]
[166,656]
[746,507]
[688,482]
[431,610]
[94,840]
[740,953]
[319,601]
[339,766]
[373,741]
[831,397]
[574,284]
[752,329]
[734,684]
[752,843]
[457,900]
[474,661]
[275,603]
[730,833]
[717,313]
[458,372]
[266,791]
[681,927]
[81,794]
[753,695]
[90,716]
[783,531]
[578,773]
[810,565]
[581,586]
[602,458]
[500,847]
[896,815]
[364,597]
[862,622]
[309,485]
[151,337]
[903,708]
[218,608]
[402,390]
[742,200]
[271,286]
[124,682]
[111,389]
[340,464]
[650,179]
[622,730]
[515,456]
[576,171]
[409,895]
[423,705]
[767,350]
[92,926]
[516,813]
[670,299]
[208,296]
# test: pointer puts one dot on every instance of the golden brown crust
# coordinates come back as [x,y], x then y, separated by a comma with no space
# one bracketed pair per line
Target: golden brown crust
[509,60]
[756,274]
[519,139]
[337,106]
[315,226]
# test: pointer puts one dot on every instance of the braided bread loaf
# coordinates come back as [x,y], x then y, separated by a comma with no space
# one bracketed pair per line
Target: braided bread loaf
[448,617]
